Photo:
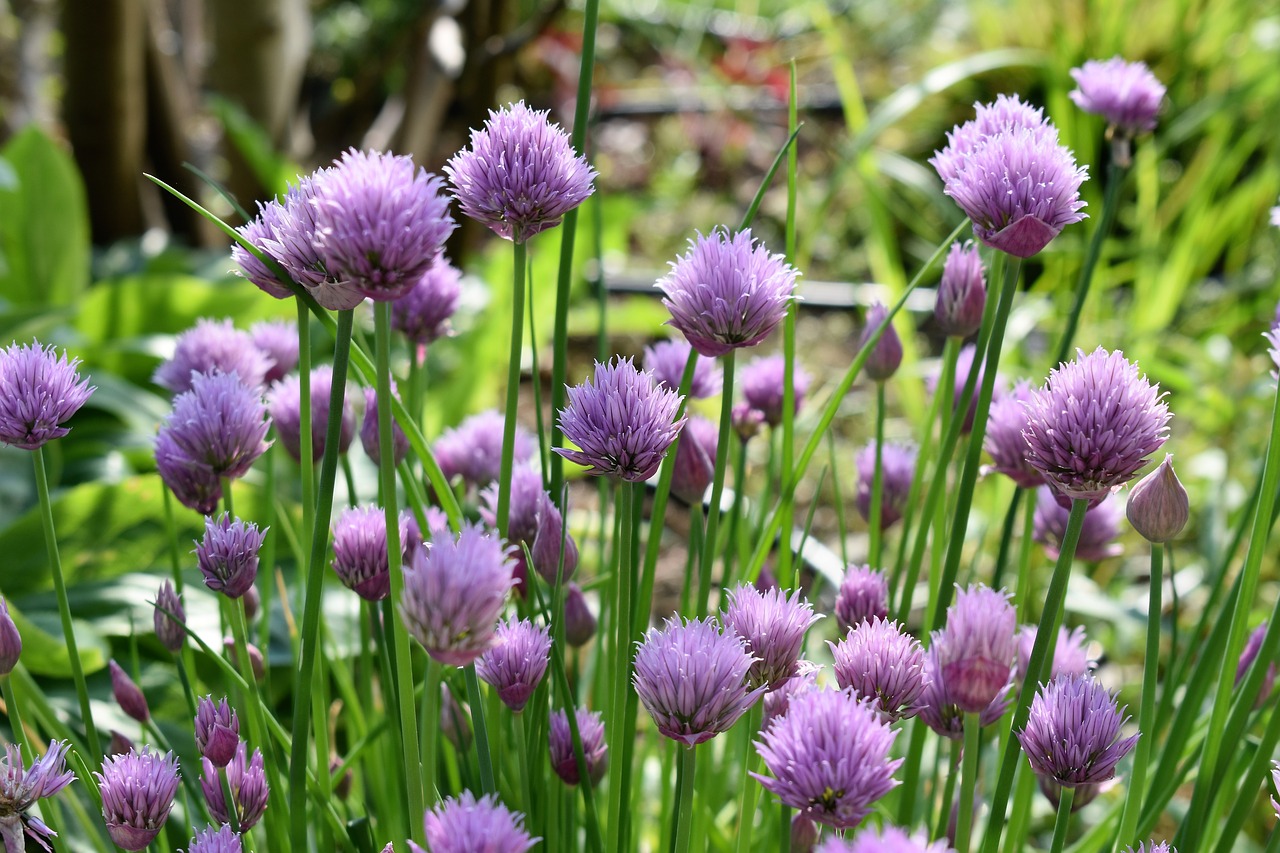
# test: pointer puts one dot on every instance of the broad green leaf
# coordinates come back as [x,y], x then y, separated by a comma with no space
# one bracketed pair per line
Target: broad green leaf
[44,651]
[44,223]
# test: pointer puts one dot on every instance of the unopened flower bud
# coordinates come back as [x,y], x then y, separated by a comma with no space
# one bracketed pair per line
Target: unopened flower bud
[252,603]
[128,694]
[119,744]
[10,640]
[883,360]
[170,619]
[804,834]
[217,731]
[1158,506]
[962,294]
[579,621]
[255,657]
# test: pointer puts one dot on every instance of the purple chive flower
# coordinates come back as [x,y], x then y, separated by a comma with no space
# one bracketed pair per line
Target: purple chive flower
[1070,655]
[1153,847]
[1097,536]
[579,621]
[423,313]
[884,358]
[691,678]
[127,693]
[829,757]
[10,640]
[1073,733]
[777,702]
[220,840]
[863,595]
[193,483]
[379,222]
[216,430]
[228,555]
[939,710]
[286,411]
[278,340]
[747,422]
[622,422]
[473,449]
[762,381]
[1004,442]
[360,550]
[516,662]
[1018,184]
[595,750]
[217,731]
[453,595]
[977,647]
[1158,507]
[883,665]
[465,824]
[39,390]
[1094,424]
[213,346]
[727,292]
[773,625]
[1249,655]
[1126,94]
[520,174]
[527,496]
[666,361]
[547,543]
[261,232]
[962,293]
[137,793]
[170,619]
[889,839]
[1005,114]
[898,464]
[22,786]
[695,460]
[369,431]
[248,782]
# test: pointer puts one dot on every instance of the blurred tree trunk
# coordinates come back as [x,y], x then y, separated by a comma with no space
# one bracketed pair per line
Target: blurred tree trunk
[105,109]
[260,50]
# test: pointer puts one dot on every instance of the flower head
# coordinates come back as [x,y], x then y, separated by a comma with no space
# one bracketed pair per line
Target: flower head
[747,421]
[595,750]
[1018,184]
[939,710]
[881,664]
[286,412]
[193,483]
[1097,535]
[977,647]
[1158,507]
[217,730]
[829,757]
[1073,733]
[889,839]
[228,554]
[666,361]
[464,824]
[213,346]
[962,293]
[1006,114]
[622,422]
[369,431]
[278,341]
[727,292]
[127,693]
[217,429]
[774,625]
[453,594]
[1094,425]
[170,618]
[692,679]
[10,640]
[423,313]
[520,175]
[261,232]
[863,595]
[898,467]
[886,355]
[247,779]
[1153,847]
[379,222]
[1070,654]
[220,840]
[762,386]
[39,391]
[777,702]
[473,449]
[1126,94]
[360,550]
[137,793]
[516,661]
[695,460]
[1004,442]
[21,787]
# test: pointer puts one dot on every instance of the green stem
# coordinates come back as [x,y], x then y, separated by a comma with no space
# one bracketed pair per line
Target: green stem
[948,791]
[1115,177]
[717,487]
[1024,790]
[257,720]
[431,725]
[306,464]
[1006,537]
[911,774]
[171,533]
[1063,821]
[408,730]
[877,484]
[1037,669]
[13,711]
[543,445]
[1025,594]
[684,784]
[487,783]
[747,802]
[310,638]
[785,555]
[968,782]
[522,758]
[620,770]
[1243,803]
[1147,712]
[64,607]
[513,391]
[229,800]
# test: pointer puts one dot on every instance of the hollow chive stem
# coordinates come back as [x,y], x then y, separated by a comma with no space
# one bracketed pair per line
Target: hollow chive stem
[717,487]
[513,389]
[685,786]
[968,782]
[1063,820]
